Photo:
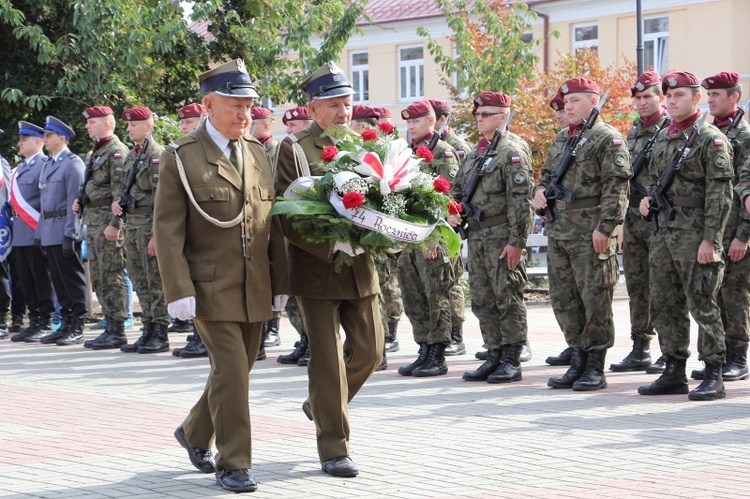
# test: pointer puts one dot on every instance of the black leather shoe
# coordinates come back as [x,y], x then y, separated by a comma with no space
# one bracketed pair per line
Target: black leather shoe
[201,459]
[340,466]
[307,409]
[236,480]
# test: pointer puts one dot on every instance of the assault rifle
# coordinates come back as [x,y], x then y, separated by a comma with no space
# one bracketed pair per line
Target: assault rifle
[126,200]
[438,133]
[643,157]
[737,118]
[469,210]
[659,200]
[83,199]
[554,190]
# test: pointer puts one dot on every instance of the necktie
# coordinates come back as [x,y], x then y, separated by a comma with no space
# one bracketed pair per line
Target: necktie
[236,159]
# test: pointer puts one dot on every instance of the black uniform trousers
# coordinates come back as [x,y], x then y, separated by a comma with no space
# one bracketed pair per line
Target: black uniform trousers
[17,294]
[68,279]
[32,275]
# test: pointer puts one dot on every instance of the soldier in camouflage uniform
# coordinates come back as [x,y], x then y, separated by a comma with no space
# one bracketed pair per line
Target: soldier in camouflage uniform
[496,244]
[724,92]
[104,237]
[582,247]
[636,231]
[139,235]
[427,277]
[686,252]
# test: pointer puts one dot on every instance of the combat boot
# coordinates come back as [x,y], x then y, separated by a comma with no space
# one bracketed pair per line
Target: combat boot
[525,352]
[659,366]
[575,371]
[4,332]
[180,326]
[735,368]
[261,350]
[148,330]
[299,350]
[593,376]
[158,341]
[482,355]
[74,335]
[383,364]
[43,327]
[424,351]
[272,338]
[188,339]
[638,359]
[27,331]
[391,342]
[435,364]
[457,346]
[490,365]
[562,359]
[712,386]
[194,348]
[672,381]
[303,361]
[16,324]
[510,366]
[53,336]
[115,338]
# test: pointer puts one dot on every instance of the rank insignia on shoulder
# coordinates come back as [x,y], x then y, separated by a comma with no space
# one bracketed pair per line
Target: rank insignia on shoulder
[155,161]
[718,142]
[174,145]
[117,155]
[616,142]
[516,159]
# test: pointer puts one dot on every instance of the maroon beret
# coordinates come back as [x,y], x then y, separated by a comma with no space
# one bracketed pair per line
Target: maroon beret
[259,113]
[497,99]
[360,112]
[579,85]
[440,106]
[721,80]
[383,112]
[97,112]
[557,103]
[136,114]
[193,110]
[677,79]
[644,81]
[417,109]
[296,113]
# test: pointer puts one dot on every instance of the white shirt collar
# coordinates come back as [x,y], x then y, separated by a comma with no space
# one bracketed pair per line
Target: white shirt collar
[221,142]
[34,158]
[58,156]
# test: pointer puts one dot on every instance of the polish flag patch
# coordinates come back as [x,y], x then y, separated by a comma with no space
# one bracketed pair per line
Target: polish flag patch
[448,154]
[117,155]
[516,159]
[155,161]
[718,142]
[616,142]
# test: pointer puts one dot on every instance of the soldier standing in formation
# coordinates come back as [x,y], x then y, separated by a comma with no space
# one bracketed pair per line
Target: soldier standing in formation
[363,117]
[296,119]
[191,117]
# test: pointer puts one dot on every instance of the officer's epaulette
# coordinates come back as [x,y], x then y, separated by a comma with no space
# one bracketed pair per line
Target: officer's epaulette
[295,137]
[187,139]
[71,155]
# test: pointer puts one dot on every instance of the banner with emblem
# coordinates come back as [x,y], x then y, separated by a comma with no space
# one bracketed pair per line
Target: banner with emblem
[6,231]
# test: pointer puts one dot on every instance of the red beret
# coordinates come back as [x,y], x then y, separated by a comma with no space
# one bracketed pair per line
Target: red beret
[721,80]
[193,110]
[497,99]
[136,114]
[383,112]
[360,112]
[97,112]
[296,113]
[579,85]
[417,110]
[644,81]
[440,106]
[557,103]
[259,113]
[677,79]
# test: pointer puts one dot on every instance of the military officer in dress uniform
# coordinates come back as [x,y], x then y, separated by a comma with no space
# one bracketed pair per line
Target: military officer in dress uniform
[191,116]
[296,119]
[60,230]
[581,257]
[496,244]
[329,299]
[222,264]
[31,264]
[142,166]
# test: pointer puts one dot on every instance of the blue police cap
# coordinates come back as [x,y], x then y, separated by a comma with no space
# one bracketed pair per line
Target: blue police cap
[56,126]
[230,79]
[26,128]
[327,82]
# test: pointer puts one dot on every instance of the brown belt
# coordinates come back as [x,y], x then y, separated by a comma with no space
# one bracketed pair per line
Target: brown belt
[578,204]
[96,203]
[686,202]
[488,222]
[141,210]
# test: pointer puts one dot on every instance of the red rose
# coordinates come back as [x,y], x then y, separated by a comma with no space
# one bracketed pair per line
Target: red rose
[441,185]
[370,134]
[455,208]
[385,127]
[353,199]
[329,153]
[425,153]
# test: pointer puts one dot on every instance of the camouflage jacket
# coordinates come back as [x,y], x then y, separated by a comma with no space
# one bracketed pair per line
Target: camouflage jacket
[272,149]
[738,224]
[445,160]
[146,180]
[599,174]
[107,165]
[637,138]
[504,191]
[463,149]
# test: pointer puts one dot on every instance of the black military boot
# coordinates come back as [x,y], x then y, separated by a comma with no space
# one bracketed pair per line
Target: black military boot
[575,371]
[712,386]
[302,361]
[735,368]
[525,352]
[4,332]
[424,351]
[52,337]
[638,359]
[16,324]
[74,336]
[194,348]
[562,359]
[659,366]
[116,338]
[391,342]
[593,376]
[672,381]
[43,328]
[148,329]
[299,350]
[27,331]
[180,326]
[494,357]
[262,350]
[482,355]
[383,364]
[272,338]
[188,339]
[509,369]
[435,364]
[158,341]
[457,346]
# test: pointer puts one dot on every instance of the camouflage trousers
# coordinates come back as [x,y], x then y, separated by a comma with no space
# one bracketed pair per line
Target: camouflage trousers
[425,284]
[636,244]
[295,315]
[679,284]
[144,272]
[106,264]
[391,306]
[497,293]
[734,301]
[458,302]
[581,286]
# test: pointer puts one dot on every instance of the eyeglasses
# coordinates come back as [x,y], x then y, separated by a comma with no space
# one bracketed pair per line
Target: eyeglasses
[485,114]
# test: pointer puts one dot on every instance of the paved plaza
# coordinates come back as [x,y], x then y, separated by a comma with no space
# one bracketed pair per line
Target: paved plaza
[79,423]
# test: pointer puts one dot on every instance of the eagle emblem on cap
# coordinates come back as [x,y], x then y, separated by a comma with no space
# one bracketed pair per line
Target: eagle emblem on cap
[478,100]
[711,80]
[127,116]
[564,88]
[86,115]
[241,66]
[672,81]
[405,115]
[639,86]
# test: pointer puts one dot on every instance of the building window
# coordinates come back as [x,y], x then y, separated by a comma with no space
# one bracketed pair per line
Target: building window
[411,72]
[360,70]
[266,102]
[656,44]
[585,37]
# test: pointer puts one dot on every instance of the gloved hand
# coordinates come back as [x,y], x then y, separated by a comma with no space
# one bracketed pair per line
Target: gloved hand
[68,248]
[183,309]
[279,302]
[347,248]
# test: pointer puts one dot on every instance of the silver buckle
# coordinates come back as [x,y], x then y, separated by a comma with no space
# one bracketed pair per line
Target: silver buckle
[560,204]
